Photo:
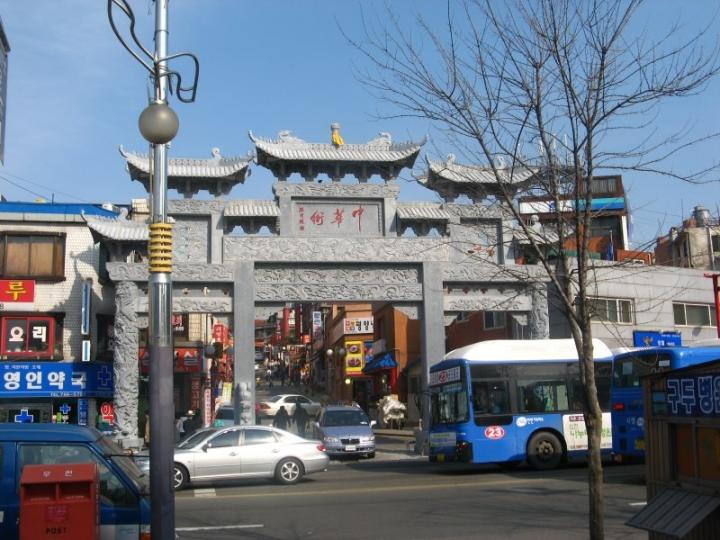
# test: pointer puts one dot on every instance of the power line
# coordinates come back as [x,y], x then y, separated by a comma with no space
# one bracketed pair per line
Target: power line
[22,187]
[51,190]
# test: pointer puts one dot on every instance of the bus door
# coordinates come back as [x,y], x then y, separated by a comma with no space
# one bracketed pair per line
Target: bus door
[495,439]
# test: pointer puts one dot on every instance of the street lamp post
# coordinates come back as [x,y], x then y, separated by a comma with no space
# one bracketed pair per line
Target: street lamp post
[159,124]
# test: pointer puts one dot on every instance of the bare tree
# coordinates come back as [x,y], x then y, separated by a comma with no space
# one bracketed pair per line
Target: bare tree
[544,87]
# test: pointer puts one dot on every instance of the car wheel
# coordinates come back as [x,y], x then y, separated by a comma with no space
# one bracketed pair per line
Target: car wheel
[289,471]
[371,455]
[544,451]
[180,477]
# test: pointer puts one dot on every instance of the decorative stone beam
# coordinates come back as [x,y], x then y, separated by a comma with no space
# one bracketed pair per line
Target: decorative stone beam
[486,303]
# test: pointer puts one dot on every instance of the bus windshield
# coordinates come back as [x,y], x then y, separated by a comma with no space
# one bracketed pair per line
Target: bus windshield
[628,369]
[449,403]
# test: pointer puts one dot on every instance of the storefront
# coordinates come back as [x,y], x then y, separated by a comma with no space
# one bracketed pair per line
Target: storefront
[64,392]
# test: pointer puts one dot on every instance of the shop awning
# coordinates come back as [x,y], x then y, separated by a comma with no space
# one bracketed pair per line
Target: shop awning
[380,361]
[674,512]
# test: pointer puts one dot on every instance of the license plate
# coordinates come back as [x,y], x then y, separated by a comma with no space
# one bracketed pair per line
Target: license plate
[639,444]
[441,457]
[350,448]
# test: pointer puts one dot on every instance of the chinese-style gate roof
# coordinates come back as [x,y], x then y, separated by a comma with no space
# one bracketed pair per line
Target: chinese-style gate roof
[288,154]
[451,179]
[119,229]
[217,175]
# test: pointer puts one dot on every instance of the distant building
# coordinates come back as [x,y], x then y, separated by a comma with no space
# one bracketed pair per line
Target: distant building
[608,230]
[695,244]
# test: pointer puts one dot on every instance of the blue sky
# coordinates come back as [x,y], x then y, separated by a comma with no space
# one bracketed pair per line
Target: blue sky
[74,95]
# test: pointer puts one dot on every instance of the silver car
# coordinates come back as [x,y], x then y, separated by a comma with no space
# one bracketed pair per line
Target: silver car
[346,431]
[246,452]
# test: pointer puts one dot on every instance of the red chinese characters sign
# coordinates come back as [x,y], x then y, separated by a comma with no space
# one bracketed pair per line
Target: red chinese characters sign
[17,291]
[186,360]
[347,218]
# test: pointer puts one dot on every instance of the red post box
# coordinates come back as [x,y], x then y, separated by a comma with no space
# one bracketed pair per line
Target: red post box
[59,501]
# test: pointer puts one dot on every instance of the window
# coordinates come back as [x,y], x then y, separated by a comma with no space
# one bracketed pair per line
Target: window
[258,436]
[616,310]
[494,319]
[225,439]
[542,388]
[694,314]
[28,336]
[113,492]
[26,255]
[716,243]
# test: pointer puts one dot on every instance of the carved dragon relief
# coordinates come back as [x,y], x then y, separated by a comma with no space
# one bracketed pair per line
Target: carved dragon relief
[334,249]
[335,190]
[340,292]
[125,358]
[194,206]
[192,305]
[354,274]
[181,272]
[487,303]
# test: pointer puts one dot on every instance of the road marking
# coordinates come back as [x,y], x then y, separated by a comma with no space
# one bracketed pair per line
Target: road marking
[638,504]
[209,492]
[388,489]
[219,527]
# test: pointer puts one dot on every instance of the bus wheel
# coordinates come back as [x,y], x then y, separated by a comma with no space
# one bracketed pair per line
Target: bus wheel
[544,451]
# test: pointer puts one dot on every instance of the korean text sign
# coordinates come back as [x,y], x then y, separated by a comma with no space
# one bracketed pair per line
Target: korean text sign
[697,395]
[56,379]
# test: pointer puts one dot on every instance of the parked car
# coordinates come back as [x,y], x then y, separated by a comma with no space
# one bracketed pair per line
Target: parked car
[346,431]
[289,401]
[225,415]
[124,502]
[246,452]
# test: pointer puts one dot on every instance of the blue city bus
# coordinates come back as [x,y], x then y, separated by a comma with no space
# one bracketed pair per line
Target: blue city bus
[626,396]
[507,401]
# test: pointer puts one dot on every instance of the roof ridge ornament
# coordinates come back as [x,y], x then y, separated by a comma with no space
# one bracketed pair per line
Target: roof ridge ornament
[384,139]
[335,137]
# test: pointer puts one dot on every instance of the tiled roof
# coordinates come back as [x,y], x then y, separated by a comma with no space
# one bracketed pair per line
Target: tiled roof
[473,174]
[122,230]
[214,167]
[251,209]
[422,211]
[380,150]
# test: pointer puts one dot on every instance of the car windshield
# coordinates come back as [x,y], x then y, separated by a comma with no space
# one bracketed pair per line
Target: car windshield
[118,456]
[275,398]
[345,418]
[195,438]
[225,413]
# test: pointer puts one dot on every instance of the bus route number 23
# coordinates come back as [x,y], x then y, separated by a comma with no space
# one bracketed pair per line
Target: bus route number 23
[494,432]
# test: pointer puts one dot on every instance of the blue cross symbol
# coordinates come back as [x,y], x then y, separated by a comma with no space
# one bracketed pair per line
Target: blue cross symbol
[104,376]
[65,409]
[24,417]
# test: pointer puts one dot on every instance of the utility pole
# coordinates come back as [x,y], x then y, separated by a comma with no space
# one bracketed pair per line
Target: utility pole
[159,124]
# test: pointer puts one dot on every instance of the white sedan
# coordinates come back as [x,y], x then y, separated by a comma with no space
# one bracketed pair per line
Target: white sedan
[289,401]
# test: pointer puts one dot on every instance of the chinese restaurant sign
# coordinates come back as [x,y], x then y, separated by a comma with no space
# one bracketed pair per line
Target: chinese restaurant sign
[186,359]
[354,357]
[338,218]
[17,294]
[363,325]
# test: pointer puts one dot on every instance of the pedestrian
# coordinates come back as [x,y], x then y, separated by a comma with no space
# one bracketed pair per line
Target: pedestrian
[300,417]
[179,428]
[268,377]
[147,428]
[282,418]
